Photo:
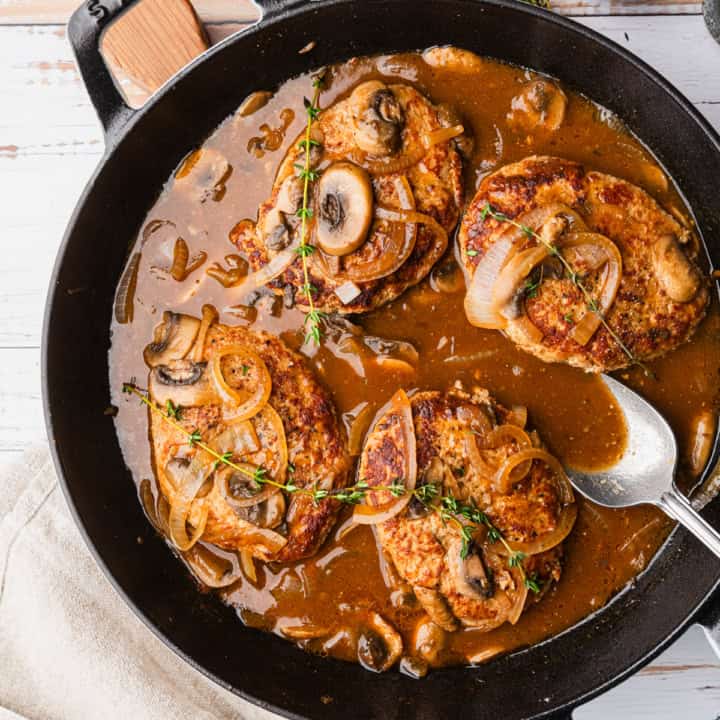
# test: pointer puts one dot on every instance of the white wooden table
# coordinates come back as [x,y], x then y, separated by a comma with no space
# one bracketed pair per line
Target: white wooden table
[50,142]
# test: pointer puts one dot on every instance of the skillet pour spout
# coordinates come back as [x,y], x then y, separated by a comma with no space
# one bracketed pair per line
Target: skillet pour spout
[679,587]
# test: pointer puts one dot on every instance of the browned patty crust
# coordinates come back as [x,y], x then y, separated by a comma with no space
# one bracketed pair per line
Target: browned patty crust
[423,547]
[644,316]
[435,181]
[316,446]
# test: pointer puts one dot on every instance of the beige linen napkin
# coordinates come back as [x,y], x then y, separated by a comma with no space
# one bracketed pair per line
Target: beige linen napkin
[70,649]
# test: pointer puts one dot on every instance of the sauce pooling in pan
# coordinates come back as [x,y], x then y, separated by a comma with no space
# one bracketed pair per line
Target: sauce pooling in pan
[420,340]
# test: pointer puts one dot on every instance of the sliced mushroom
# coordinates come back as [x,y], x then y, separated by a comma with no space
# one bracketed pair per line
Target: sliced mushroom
[436,607]
[470,575]
[446,277]
[345,208]
[454,59]
[172,340]
[304,632]
[179,473]
[279,237]
[429,641]
[380,645]
[267,514]
[414,667]
[378,118]
[539,105]
[205,173]
[253,102]
[674,272]
[449,117]
[435,474]
[184,382]
[290,195]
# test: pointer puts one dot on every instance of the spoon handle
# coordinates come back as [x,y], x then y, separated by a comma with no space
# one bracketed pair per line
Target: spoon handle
[679,508]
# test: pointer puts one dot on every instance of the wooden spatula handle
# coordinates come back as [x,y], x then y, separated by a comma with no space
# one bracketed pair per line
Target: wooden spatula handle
[152,40]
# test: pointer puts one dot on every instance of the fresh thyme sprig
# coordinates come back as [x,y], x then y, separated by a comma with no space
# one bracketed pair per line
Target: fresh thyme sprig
[305,213]
[451,509]
[592,304]
[467,517]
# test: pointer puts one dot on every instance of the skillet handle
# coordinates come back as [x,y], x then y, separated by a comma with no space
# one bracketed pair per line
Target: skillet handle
[152,42]
[85,31]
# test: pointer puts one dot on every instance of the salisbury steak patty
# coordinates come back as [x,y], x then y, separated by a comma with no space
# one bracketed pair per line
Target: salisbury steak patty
[661,296]
[296,435]
[464,444]
[385,149]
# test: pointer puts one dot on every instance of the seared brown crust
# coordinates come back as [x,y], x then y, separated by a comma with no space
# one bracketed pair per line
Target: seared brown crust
[647,320]
[315,440]
[436,184]
[425,549]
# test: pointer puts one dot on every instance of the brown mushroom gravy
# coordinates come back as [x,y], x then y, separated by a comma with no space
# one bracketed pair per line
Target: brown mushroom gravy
[183,259]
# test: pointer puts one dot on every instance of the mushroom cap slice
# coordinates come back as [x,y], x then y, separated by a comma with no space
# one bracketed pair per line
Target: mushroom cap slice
[378,118]
[172,339]
[345,208]
[540,105]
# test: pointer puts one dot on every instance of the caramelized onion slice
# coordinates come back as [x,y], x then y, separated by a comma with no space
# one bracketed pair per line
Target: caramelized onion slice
[503,479]
[267,273]
[479,307]
[125,296]
[505,433]
[239,405]
[209,316]
[190,481]
[368,514]
[590,322]
[213,567]
[389,165]
[442,135]
[520,597]
[239,490]
[566,522]
[247,563]
[518,415]
[411,216]
[513,275]
[264,542]
[275,421]
[395,252]
[481,301]
[568,512]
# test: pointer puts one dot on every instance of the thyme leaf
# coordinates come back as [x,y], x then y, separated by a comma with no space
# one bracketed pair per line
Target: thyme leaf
[591,303]
[467,517]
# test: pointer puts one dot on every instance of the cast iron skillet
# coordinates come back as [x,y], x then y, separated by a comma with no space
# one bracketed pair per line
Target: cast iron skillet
[142,149]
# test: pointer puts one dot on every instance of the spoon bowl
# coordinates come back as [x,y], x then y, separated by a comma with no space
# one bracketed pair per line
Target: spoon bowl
[645,474]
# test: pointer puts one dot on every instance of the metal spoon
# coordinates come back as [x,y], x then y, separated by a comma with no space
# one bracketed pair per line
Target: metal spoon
[645,473]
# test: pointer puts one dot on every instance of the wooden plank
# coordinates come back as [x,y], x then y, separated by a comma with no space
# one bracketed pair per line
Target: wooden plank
[27,12]
[57,12]
[684,682]
[21,420]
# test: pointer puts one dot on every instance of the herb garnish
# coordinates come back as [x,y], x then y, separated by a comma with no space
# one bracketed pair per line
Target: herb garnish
[467,517]
[305,213]
[591,303]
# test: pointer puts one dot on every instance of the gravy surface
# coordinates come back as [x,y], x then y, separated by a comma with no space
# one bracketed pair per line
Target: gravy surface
[574,414]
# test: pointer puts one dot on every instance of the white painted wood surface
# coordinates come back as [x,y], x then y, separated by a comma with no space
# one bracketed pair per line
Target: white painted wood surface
[50,143]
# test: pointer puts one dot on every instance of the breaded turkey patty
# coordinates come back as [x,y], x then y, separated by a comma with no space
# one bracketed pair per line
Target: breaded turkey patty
[463,442]
[280,528]
[383,148]
[661,296]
